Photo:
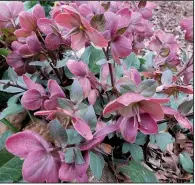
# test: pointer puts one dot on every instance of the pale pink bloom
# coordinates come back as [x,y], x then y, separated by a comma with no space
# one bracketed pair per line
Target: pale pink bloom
[78,123]
[86,79]
[137,112]
[79,29]
[41,161]
[72,171]
[187,25]
[9,13]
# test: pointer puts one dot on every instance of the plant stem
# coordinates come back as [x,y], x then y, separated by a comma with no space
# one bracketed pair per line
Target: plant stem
[110,66]
[8,124]
[188,64]
[13,85]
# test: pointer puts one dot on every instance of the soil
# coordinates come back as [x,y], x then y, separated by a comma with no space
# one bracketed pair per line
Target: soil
[166,17]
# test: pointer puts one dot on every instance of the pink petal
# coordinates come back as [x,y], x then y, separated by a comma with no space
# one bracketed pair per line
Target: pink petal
[21,33]
[5,12]
[120,47]
[32,99]
[186,89]
[78,40]
[38,12]
[54,87]
[77,68]
[16,8]
[14,60]
[32,85]
[124,17]
[33,44]
[44,25]
[122,101]
[93,96]
[86,86]
[154,45]
[52,41]
[129,129]
[27,21]
[25,52]
[23,143]
[160,100]
[187,23]
[40,166]
[135,76]
[82,128]
[67,172]
[148,125]
[152,108]
[146,13]
[67,20]
[183,121]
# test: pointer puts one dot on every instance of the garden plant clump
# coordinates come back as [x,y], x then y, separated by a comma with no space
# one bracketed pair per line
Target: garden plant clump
[89,84]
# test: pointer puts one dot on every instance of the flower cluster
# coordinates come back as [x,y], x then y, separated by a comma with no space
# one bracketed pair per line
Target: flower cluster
[109,90]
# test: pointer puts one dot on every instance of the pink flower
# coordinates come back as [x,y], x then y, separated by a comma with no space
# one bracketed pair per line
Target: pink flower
[36,96]
[137,112]
[80,30]
[120,46]
[78,123]
[187,25]
[165,45]
[175,89]
[182,120]
[9,13]
[41,162]
[86,79]
[72,171]
[53,38]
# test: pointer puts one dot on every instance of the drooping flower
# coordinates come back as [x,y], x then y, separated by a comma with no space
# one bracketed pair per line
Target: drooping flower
[137,112]
[9,13]
[166,47]
[187,25]
[79,29]
[73,171]
[78,123]
[86,79]
[41,161]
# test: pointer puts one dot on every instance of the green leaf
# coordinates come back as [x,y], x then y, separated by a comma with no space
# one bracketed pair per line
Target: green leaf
[78,156]
[167,77]
[96,164]
[90,117]
[73,137]
[149,61]
[69,155]
[65,104]
[186,106]
[13,109]
[12,75]
[61,63]
[4,52]
[76,92]
[147,88]
[135,150]
[162,127]
[58,133]
[141,138]
[138,173]
[3,138]
[39,63]
[98,22]
[186,162]
[165,137]
[132,61]
[91,56]
[14,99]
[10,167]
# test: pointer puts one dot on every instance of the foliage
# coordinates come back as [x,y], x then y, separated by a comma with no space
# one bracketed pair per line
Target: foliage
[99,86]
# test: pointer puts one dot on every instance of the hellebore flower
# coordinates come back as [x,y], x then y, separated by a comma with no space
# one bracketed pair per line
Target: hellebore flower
[119,44]
[53,38]
[86,79]
[36,97]
[78,123]
[41,161]
[72,171]
[80,30]
[137,112]
[165,45]
[9,13]
[187,25]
